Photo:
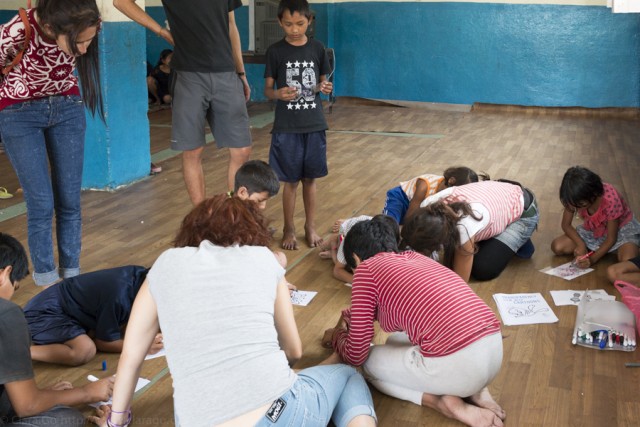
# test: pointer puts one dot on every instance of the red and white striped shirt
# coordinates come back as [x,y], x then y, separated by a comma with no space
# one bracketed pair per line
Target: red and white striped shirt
[410,292]
[45,70]
[498,203]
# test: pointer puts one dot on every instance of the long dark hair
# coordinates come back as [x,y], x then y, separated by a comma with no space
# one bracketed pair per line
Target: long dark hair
[434,228]
[69,18]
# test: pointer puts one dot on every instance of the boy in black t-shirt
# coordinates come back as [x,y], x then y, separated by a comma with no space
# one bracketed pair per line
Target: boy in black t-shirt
[72,319]
[21,401]
[298,66]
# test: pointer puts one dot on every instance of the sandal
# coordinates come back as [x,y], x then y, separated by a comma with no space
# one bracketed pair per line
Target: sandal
[4,194]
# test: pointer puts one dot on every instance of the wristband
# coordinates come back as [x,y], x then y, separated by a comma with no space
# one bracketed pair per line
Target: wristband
[240,73]
[126,423]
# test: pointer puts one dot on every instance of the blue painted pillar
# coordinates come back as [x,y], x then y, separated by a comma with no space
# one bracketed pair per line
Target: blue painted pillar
[117,150]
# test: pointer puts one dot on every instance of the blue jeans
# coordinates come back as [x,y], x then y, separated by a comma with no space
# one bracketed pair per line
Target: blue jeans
[38,135]
[321,393]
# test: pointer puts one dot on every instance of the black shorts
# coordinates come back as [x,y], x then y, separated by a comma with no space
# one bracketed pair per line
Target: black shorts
[294,156]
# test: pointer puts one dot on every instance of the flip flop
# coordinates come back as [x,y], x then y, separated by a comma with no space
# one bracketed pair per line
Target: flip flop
[4,194]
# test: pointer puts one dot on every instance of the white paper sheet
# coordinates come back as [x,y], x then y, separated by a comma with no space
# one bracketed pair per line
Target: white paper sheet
[142,382]
[566,271]
[302,297]
[524,309]
[161,353]
[570,297]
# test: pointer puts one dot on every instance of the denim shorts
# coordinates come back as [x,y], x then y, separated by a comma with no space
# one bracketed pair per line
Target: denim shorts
[294,156]
[322,393]
[518,232]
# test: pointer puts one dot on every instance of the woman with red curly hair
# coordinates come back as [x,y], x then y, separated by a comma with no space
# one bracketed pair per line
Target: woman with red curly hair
[229,332]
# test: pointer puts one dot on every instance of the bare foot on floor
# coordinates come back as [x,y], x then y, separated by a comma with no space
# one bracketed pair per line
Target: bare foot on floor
[289,241]
[313,240]
[325,254]
[456,408]
[336,225]
[484,399]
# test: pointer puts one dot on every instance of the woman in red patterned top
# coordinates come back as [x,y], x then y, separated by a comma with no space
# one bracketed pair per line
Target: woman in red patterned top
[42,122]
[445,344]
[608,223]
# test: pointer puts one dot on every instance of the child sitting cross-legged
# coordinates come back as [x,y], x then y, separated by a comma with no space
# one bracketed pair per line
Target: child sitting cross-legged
[608,223]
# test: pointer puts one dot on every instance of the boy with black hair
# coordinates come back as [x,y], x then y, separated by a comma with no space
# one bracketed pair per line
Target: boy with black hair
[256,181]
[21,401]
[298,66]
[78,316]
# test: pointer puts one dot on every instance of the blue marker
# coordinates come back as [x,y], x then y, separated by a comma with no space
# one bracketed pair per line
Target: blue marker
[104,365]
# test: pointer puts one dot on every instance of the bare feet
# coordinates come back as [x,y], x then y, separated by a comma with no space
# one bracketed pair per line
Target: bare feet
[289,241]
[454,407]
[336,225]
[484,399]
[312,237]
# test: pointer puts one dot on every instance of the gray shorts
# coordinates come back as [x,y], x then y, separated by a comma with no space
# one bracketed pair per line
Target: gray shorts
[218,99]
[629,233]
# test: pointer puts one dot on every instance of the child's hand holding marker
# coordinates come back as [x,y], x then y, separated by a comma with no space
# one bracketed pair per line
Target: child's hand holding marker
[583,261]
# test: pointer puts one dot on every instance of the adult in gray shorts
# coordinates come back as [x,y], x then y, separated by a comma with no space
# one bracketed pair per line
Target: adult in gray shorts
[210,83]
[216,99]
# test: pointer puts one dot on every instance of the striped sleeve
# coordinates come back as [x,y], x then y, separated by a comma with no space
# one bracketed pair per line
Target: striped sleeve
[353,346]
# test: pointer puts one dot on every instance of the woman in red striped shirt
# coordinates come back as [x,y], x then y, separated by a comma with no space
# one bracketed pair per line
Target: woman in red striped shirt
[445,345]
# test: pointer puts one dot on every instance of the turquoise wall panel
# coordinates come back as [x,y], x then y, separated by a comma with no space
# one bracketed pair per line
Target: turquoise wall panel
[117,153]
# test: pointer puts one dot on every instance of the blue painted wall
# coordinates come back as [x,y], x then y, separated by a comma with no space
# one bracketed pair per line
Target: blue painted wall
[461,53]
[118,153]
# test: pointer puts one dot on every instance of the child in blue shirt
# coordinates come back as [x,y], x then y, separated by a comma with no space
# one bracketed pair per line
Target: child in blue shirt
[298,66]
[72,319]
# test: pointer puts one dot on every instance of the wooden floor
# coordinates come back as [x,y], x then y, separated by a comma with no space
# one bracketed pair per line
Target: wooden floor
[544,380]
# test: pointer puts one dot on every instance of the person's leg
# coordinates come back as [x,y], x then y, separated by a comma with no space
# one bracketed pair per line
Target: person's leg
[494,254]
[563,245]
[188,115]
[193,174]
[152,87]
[22,127]
[490,260]
[237,157]
[229,120]
[456,408]
[59,416]
[342,394]
[314,146]
[627,251]
[309,199]
[65,143]
[627,271]
[289,191]
[74,352]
